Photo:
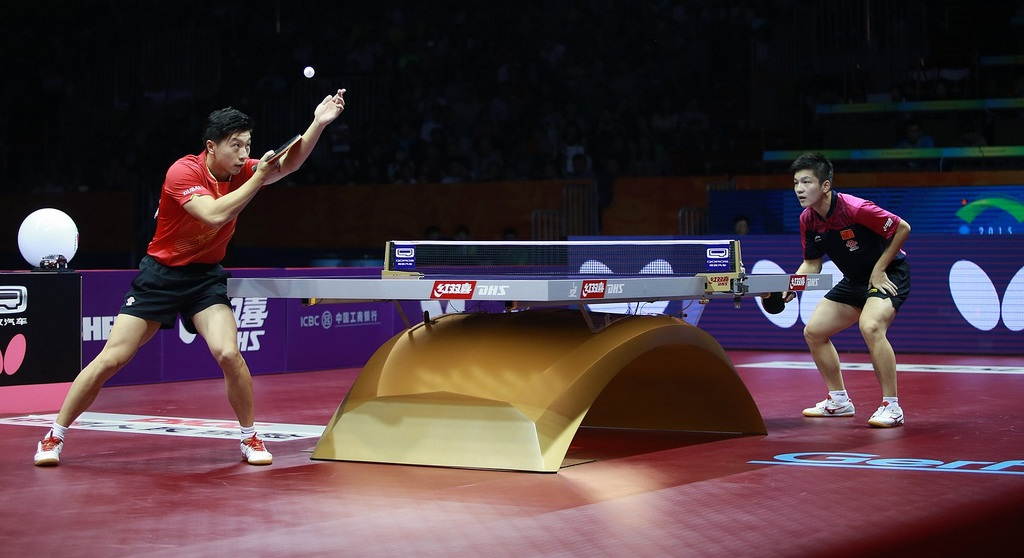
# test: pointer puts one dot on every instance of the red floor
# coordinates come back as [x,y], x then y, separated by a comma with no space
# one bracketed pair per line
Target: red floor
[646,494]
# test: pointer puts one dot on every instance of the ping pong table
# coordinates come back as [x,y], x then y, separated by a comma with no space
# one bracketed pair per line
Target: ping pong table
[509,389]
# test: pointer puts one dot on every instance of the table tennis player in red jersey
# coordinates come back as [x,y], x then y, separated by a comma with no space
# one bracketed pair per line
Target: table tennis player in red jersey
[200,201]
[864,241]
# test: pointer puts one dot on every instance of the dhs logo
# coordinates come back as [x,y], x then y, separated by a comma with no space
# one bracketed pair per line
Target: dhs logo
[453,289]
[593,288]
[492,290]
[797,282]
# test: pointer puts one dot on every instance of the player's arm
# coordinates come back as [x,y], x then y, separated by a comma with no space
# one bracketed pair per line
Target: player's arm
[879,279]
[216,212]
[806,268]
[326,112]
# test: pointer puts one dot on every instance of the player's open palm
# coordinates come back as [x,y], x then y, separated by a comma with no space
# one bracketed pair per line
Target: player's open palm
[330,108]
[879,280]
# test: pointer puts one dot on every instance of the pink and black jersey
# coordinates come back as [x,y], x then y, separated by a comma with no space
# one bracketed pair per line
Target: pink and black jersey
[853,235]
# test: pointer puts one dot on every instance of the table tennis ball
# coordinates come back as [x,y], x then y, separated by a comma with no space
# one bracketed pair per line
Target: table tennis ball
[47,232]
[308,71]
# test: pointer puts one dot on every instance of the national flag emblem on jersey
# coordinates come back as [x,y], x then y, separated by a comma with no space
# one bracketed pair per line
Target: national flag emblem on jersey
[846,234]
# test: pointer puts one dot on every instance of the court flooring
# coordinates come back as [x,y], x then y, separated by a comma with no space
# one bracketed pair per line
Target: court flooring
[138,483]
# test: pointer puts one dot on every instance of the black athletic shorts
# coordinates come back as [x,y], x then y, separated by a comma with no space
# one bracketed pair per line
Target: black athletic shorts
[856,294]
[159,292]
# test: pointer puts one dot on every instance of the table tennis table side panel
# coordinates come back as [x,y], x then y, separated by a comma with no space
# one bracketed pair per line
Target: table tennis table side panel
[776,283]
[526,290]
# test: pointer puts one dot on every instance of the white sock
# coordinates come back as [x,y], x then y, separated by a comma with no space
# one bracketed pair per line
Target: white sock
[58,431]
[248,432]
[839,396]
[894,401]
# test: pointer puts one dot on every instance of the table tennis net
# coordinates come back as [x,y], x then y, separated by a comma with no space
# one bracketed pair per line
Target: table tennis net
[563,258]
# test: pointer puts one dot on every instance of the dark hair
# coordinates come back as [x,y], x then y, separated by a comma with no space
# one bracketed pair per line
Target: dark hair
[224,122]
[814,162]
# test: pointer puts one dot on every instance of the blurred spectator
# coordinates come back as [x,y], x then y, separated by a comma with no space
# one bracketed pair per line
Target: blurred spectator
[580,167]
[915,137]
[432,232]
[489,93]
[741,225]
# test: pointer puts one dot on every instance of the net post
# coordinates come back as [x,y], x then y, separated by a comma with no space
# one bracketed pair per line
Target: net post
[387,272]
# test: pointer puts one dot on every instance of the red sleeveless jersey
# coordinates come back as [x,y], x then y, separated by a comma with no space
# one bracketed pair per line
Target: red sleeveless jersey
[180,238]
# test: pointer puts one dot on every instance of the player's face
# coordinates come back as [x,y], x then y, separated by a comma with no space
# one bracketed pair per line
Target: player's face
[809,191]
[231,152]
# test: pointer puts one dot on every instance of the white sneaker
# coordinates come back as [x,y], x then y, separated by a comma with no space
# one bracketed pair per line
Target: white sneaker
[255,452]
[829,408]
[48,451]
[887,416]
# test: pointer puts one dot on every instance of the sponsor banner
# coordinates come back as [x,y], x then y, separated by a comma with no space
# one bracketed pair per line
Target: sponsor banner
[225,429]
[973,210]
[797,282]
[967,297]
[881,463]
[261,337]
[102,296]
[39,327]
[273,334]
[337,335]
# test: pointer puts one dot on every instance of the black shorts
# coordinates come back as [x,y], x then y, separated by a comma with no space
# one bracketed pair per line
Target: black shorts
[159,292]
[856,294]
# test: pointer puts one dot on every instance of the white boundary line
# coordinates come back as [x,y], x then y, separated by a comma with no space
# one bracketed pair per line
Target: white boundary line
[225,429]
[936,368]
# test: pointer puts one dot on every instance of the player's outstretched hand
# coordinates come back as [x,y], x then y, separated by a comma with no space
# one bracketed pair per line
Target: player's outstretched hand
[788,296]
[330,108]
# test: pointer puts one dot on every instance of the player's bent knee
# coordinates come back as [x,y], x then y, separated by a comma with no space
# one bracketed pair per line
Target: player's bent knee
[109,362]
[872,329]
[226,356]
[812,335]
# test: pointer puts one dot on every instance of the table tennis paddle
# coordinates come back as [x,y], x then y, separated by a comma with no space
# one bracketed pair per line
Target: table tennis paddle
[773,303]
[280,151]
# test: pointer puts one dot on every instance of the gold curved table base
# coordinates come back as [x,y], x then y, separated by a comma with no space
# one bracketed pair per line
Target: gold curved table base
[509,391]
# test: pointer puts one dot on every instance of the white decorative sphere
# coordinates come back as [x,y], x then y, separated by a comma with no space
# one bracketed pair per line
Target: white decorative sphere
[47,232]
[308,71]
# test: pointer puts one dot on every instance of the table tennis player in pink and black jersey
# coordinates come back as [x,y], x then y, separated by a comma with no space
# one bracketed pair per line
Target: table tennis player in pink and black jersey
[865,242]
